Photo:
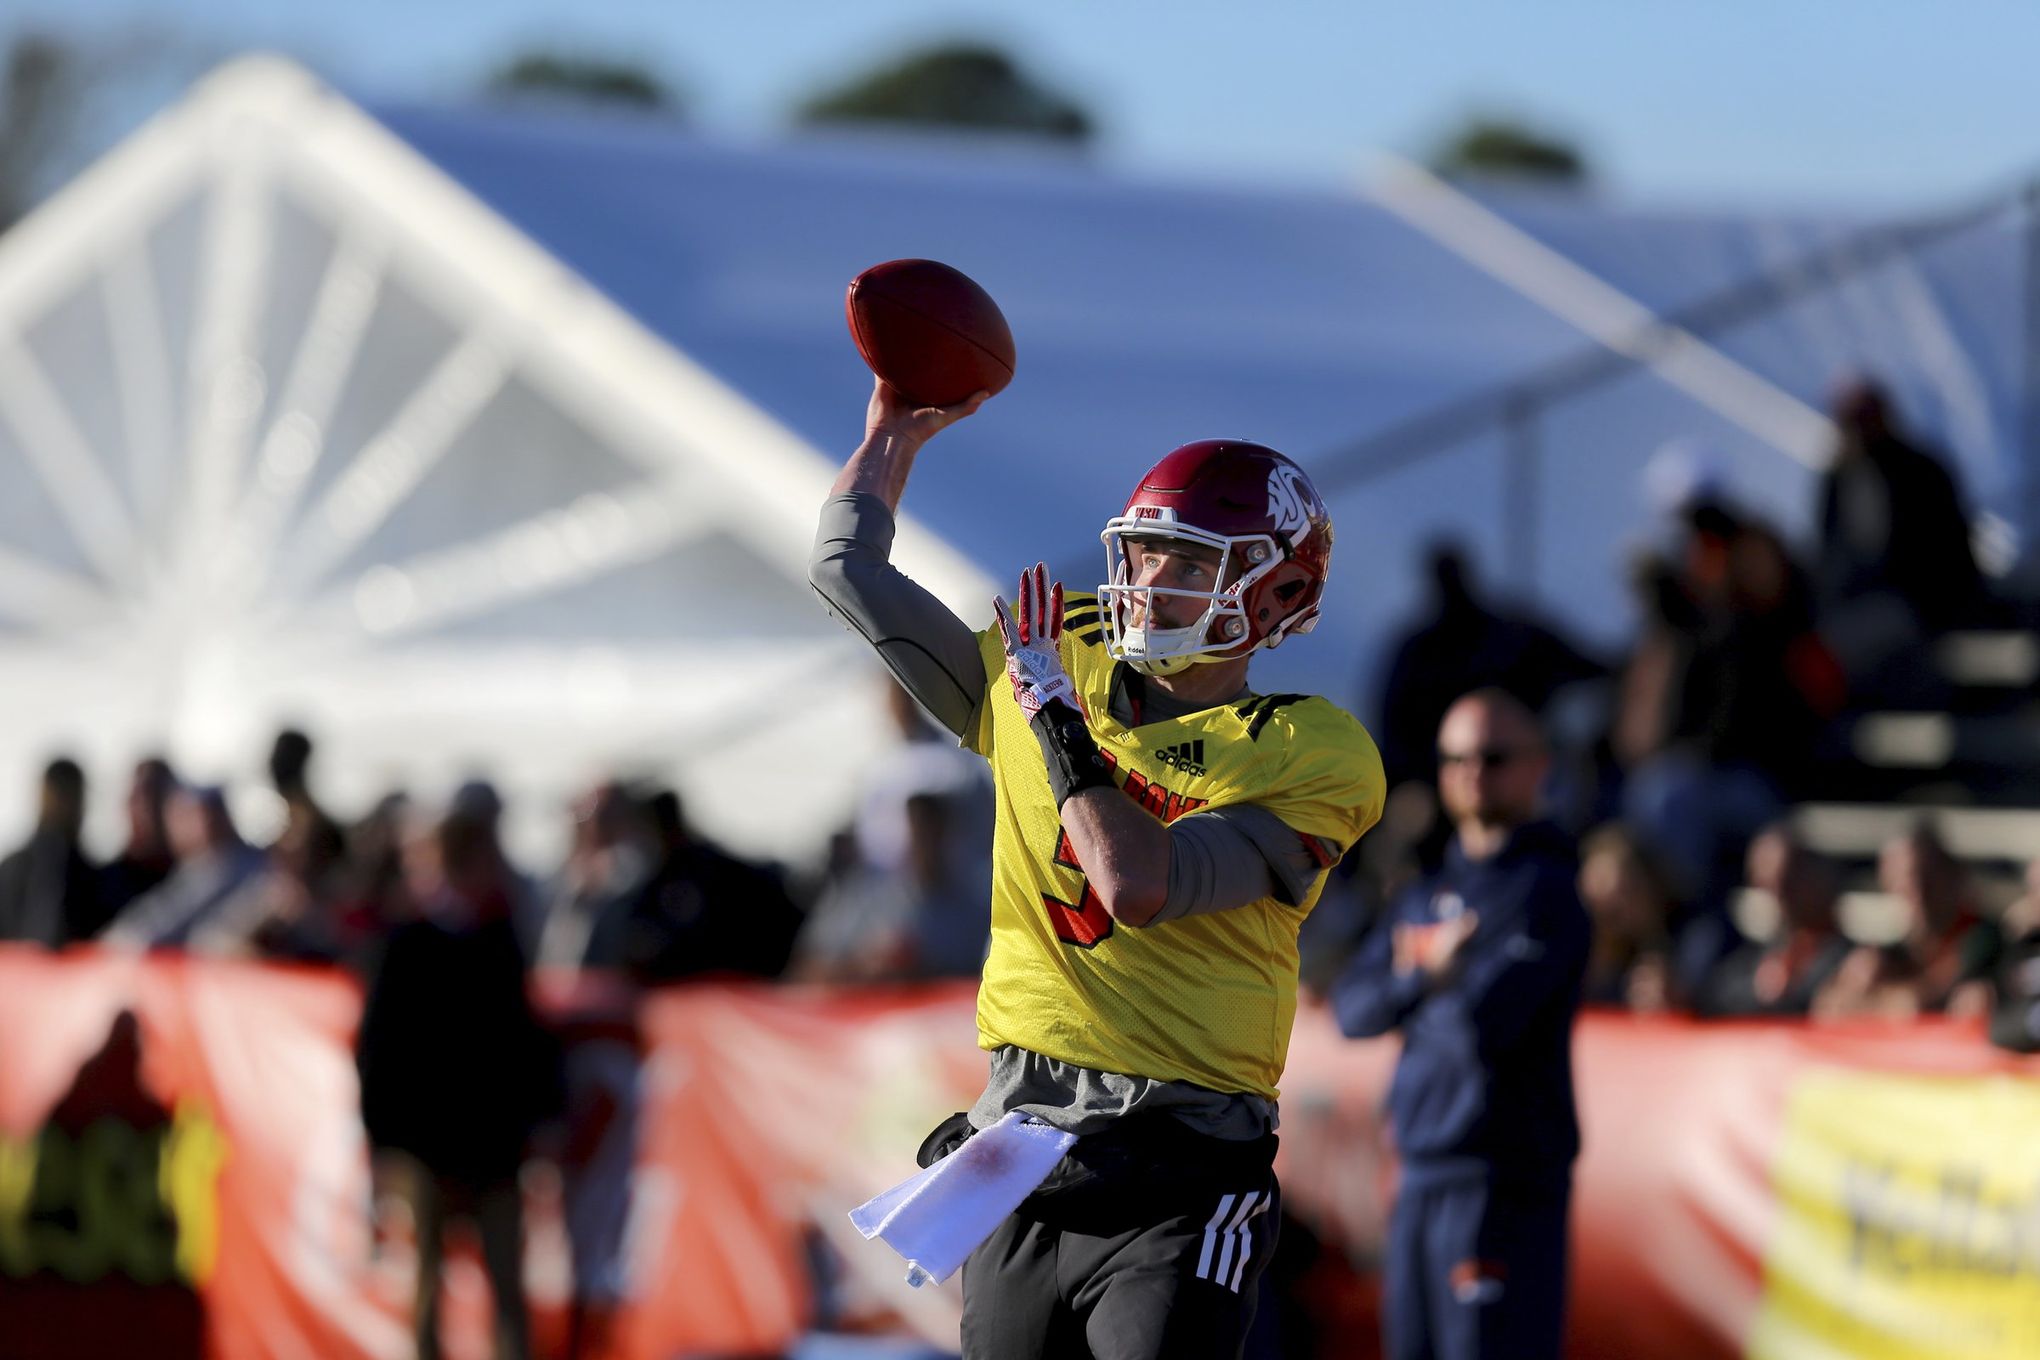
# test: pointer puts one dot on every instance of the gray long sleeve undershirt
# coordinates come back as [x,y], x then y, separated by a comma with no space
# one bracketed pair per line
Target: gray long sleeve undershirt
[932,653]
[1218,860]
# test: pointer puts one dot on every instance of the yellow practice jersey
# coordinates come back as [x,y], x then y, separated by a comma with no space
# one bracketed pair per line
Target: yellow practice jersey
[1207,999]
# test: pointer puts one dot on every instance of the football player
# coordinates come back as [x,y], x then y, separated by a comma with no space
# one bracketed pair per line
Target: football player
[1161,832]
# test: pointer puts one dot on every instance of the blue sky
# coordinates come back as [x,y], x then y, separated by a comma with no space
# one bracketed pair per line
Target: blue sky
[1868,103]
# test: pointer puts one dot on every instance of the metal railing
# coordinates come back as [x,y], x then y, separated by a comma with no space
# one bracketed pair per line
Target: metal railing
[1515,408]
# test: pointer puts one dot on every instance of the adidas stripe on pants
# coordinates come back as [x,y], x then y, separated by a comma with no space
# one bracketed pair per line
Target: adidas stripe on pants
[1123,1273]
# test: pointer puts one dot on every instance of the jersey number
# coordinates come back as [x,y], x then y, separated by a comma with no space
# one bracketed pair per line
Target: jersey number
[1084,922]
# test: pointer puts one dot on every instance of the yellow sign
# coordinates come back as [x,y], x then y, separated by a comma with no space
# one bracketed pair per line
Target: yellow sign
[114,1198]
[1908,1221]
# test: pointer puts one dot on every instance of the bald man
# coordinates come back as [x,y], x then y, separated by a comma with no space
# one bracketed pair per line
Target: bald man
[1479,967]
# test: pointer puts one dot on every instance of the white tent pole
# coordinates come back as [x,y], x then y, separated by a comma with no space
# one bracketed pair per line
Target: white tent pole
[543,553]
[1459,223]
[65,463]
[296,438]
[225,382]
[141,363]
[129,190]
[392,463]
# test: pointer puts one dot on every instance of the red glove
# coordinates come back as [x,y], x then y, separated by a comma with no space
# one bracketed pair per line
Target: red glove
[1033,644]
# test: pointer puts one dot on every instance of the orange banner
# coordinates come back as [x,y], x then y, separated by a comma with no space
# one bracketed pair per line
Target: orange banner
[183,1171]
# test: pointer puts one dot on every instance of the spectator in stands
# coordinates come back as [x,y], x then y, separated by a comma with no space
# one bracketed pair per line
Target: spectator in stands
[647,900]
[1947,953]
[1720,704]
[146,859]
[592,1002]
[1894,561]
[1458,644]
[1648,685]
[1770,597]
[318,836]
[929,917]
[704,912]
[49,890]
[1480,969]
[913,903]
[368,893]
[289,911]
[608,866]
[478,800]
[1632,906]
[1783,975]
[455,1069]
[2015,1024]
[922,760]
[213,863]
[596,1148]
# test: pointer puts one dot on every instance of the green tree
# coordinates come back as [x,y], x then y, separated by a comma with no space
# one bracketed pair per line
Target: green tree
[1496,146]
[567,78]
[967,85]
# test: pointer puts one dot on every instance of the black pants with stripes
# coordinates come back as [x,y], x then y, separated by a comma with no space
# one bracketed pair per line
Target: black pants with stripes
[1145,1243]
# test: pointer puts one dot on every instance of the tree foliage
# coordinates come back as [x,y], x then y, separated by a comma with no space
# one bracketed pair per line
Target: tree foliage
[558,76]
[1496,146]
[41,89]
[960,85]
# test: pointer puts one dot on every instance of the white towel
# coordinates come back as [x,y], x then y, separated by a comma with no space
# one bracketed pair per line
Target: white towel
[937,1218]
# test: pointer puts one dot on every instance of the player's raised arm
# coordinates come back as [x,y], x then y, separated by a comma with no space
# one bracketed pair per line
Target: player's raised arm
[931,651]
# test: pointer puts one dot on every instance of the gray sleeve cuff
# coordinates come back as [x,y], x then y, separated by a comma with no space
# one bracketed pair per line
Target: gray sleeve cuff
[855,518]
[1231,856]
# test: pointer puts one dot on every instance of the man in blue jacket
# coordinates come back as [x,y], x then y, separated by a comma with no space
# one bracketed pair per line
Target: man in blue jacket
[1479,966]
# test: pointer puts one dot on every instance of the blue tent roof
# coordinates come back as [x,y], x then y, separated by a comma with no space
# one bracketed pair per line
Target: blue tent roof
[1148,314]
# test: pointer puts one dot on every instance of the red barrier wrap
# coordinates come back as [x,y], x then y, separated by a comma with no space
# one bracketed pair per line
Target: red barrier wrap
[183,1171]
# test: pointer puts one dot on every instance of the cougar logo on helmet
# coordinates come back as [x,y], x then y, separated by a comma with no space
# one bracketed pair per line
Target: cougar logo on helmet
[1289,497]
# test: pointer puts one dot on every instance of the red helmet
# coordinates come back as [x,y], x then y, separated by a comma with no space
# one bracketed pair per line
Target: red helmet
[1273,536]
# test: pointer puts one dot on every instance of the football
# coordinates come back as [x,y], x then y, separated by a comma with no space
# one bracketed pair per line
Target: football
[929,331]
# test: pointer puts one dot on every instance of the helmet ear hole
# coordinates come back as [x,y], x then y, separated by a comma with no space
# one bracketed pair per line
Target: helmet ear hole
[1285,595]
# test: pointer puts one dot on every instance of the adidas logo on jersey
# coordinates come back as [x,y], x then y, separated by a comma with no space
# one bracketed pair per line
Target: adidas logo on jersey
[1187,757]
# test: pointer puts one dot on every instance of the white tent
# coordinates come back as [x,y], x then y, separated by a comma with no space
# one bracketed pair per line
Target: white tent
[296,431]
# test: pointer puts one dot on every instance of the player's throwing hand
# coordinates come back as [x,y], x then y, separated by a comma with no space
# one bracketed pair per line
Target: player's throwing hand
[898,416]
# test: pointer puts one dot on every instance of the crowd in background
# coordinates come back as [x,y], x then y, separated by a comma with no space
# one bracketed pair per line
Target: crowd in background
[1680,762]
[1676,773]
[498,1034]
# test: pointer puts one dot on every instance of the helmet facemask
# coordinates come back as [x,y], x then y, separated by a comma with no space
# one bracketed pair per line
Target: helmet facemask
[1221,631]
